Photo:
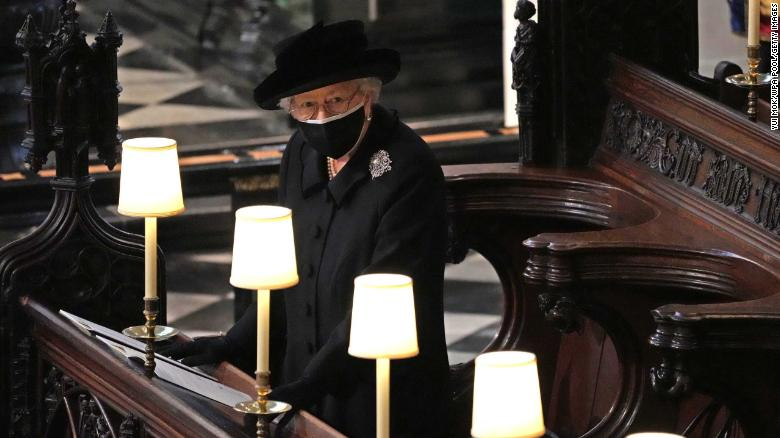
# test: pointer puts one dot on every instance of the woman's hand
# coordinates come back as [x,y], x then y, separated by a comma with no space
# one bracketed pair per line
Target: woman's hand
[201,351]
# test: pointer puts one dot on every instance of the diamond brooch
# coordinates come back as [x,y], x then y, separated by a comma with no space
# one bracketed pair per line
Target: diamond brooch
[379,164]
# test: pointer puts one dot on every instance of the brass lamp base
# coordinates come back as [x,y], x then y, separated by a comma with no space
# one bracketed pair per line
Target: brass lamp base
[262,407]
[751,83]
[744,80]
[751,80]
[270,407]
[141,332]
[150,332]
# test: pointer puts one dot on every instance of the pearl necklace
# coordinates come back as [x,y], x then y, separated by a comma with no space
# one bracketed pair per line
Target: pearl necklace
[331,168]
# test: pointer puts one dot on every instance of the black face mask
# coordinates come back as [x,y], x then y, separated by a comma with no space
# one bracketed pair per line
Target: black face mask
[334,136]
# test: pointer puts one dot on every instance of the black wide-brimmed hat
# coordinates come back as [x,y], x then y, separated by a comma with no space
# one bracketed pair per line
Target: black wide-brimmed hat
[324,55]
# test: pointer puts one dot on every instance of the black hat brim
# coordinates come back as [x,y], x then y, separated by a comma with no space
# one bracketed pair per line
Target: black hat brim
[381,63]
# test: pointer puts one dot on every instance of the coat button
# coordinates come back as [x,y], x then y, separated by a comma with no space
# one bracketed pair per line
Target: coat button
[316,231]
[308,309]
[309,270]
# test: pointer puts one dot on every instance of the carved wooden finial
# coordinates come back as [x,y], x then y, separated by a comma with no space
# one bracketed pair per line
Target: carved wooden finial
[526,79]
[109,25]
[108,34]
[28,36]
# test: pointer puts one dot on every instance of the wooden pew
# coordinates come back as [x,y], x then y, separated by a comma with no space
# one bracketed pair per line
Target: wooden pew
[646,283]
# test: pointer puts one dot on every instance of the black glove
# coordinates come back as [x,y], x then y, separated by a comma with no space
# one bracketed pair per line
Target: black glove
[201,351]
[301,393]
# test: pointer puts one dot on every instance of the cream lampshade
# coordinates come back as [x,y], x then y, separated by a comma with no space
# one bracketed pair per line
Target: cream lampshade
[263,248]
[507,400]
[149,184]
[263,259]
[654,435]
[383,328]
[150,187]
[383,320]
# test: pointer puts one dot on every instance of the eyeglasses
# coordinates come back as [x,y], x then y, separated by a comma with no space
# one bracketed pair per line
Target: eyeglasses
[334,105]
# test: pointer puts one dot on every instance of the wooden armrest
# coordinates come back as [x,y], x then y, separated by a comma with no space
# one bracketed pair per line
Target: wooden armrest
[753,324]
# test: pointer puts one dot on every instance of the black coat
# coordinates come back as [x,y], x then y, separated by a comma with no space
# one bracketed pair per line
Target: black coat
[361,223]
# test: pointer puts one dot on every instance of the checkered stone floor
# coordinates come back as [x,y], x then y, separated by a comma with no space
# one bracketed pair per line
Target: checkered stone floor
[200,299]
[165,93]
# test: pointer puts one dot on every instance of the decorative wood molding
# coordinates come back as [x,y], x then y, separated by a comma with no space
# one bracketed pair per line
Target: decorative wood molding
[768,210]
[677,155]
[669,378]
[660,146]
[658,124]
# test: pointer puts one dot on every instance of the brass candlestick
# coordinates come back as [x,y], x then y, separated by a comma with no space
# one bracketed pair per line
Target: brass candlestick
[150,332]
[262,407]
[751,80]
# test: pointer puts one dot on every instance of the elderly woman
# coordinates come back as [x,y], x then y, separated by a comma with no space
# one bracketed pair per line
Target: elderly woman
[367,196]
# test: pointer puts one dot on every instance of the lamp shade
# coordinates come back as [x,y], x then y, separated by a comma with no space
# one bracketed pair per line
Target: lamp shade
[263,248]
[654,435]
[149,184]
[383,319]
[507,400]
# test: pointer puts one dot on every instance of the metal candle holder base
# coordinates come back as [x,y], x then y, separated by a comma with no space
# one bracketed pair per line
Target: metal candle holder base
[751,80]
[150,332]
[262,407]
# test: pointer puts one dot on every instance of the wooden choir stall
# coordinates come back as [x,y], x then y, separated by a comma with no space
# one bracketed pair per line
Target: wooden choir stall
[636,240]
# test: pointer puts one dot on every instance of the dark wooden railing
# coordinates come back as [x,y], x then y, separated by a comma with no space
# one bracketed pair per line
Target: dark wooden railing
[89,390]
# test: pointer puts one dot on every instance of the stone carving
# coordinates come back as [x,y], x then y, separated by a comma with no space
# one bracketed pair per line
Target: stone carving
[728,182]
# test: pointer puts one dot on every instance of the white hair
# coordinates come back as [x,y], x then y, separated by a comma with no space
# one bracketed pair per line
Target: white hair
[372,86]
